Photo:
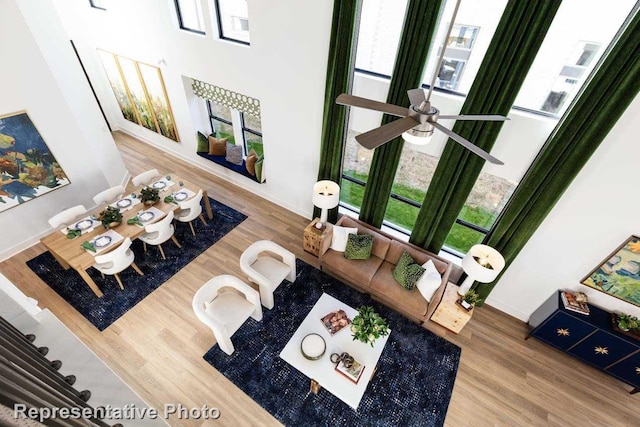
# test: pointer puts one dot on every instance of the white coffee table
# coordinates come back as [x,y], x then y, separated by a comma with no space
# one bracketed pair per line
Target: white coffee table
[323,370]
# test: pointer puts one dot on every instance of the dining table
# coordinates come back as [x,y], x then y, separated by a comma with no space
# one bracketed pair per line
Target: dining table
[70,253]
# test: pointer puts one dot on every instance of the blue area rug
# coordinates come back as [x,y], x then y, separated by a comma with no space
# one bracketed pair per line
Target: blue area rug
[102,312]
[412,386]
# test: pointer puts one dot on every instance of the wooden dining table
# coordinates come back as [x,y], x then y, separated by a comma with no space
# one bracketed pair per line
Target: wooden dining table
[70,253]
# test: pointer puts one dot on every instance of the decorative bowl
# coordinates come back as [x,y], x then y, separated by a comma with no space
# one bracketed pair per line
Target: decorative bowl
[313,346]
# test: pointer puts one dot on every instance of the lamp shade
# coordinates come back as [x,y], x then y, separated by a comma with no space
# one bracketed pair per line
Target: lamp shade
[417,137]
[482,264]
[326,195]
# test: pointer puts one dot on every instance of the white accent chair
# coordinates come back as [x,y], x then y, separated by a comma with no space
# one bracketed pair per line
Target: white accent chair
[117,261]
[266,271]
[145,177]
[108,194]
[67,216]
[225,310]
[158,233]
[190,210]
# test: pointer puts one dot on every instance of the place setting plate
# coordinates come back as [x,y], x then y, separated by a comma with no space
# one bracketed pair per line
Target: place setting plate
[159,185]
[180,196]
[102,242]
[83,225]
[124,203]
[146,216]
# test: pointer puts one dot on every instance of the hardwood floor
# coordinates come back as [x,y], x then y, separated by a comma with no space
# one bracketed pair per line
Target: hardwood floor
[157,346]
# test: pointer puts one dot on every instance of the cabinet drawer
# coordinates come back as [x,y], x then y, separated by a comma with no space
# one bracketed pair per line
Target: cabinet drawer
[627,370]
[602,349]
[562,330]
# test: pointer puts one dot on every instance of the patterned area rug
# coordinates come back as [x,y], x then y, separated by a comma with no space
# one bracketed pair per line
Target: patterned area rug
[412,386]
[102,312]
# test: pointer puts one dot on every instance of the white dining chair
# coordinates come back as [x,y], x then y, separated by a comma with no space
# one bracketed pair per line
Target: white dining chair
[224,310]
[108,194]
[267,271]
[190,210]
[158,233]
[145,177]
[117,261]
[67,216]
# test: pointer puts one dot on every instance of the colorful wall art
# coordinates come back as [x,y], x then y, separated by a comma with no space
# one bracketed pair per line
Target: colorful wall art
[140,92]
[27,167]
[619,274]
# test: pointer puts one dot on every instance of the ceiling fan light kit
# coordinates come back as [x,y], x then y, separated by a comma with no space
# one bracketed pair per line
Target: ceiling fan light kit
[420,119]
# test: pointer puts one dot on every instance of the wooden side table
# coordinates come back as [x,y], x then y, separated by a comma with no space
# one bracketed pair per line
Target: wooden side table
[313,238]
[450,314]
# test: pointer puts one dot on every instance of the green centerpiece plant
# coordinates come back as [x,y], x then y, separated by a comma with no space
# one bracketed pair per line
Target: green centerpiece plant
[368,326]
[472,297]
[149,195]
[110,217]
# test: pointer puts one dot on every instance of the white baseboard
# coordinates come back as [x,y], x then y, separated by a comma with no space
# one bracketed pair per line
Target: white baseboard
[505,308]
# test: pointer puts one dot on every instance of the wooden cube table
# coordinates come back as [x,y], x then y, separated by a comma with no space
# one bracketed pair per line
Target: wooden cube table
[450,314]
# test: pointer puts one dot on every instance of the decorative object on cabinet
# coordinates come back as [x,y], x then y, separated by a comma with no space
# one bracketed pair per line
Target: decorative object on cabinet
[27,167]
[591,339]
[626,324]
[450,313]
[326,195]
[313,237]
[482,264]
[619,274]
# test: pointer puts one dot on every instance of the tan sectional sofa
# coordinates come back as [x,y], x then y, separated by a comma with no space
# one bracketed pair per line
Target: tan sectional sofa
[373,276]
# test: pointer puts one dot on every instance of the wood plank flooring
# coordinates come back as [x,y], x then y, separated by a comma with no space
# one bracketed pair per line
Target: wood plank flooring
[157,346]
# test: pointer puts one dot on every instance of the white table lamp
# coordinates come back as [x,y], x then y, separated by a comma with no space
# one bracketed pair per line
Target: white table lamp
[482,264]
[326,195]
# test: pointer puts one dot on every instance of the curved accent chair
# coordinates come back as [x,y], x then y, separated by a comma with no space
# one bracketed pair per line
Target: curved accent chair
[145,177]
[67,216]
[117,261]
[158,233]
[108,194]
[190,210]
[224,303]
[268,271]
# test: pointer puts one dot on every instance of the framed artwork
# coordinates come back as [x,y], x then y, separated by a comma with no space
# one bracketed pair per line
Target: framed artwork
[27,167]
[140,92]
[619,274]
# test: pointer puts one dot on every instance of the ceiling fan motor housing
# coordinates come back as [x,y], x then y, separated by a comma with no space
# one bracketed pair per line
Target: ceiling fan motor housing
[425,114]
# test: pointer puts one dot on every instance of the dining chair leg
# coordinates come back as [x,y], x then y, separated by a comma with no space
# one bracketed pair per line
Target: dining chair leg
[162,252]
[202,219]
[176,241]
[119,281]
[192,230]
[144,246]
[137,269]
[102,274]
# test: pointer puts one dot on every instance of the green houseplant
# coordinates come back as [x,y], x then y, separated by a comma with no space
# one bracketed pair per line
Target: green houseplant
[110,217]
[626,322]
[472,297]
[149,195]
[368,326]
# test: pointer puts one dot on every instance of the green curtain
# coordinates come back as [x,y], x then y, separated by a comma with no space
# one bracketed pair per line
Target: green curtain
[419,27]
[518,37]
[603,99]
[339,77]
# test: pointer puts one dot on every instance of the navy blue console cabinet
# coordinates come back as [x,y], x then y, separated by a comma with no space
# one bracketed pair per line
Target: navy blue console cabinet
[590,339]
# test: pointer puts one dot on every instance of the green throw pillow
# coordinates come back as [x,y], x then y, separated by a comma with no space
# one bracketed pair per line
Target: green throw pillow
[203,143]
[407,272]
[258,167]
[359,246]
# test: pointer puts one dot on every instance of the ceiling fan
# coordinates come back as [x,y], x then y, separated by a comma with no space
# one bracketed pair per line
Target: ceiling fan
[420,119]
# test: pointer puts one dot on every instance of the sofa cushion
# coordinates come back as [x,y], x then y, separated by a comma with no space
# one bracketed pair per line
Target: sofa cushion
[234,154]
[358,246]
[359,271]
[340,236]
[430,280]
[396,248]
[407,272]
[385,287]
[250,162]
[380,242]
[217,147]
[203,143]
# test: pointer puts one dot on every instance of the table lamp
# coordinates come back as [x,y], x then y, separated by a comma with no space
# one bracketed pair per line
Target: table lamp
[482,264]
[326,195]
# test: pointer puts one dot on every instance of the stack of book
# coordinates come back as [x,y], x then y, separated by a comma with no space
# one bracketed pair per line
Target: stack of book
[570,303]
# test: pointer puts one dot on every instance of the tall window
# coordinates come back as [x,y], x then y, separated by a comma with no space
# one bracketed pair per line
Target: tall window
[190,15]
[252,133]
[221,121]
[238,127]
[233,20]
[98,4]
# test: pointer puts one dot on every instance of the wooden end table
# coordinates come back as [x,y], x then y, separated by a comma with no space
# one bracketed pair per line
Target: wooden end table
[313,238]
[450,314]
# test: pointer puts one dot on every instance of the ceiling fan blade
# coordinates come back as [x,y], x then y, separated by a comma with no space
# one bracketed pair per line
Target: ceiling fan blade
[416,96]
[467,144]
[488,118]
[378,136]
[356,101]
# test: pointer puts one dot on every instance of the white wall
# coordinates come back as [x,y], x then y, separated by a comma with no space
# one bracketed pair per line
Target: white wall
[41,75]
[597,213]
[284,68]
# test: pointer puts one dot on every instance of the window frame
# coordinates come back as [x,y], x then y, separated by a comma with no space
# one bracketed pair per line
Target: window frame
[213,117]
[221,30]
[96,7]
[181,22]
[249,130]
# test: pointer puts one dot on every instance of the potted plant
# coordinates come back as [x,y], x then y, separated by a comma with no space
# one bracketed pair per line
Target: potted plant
[368,326]
[471,297]
[110,217]
[149,195]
